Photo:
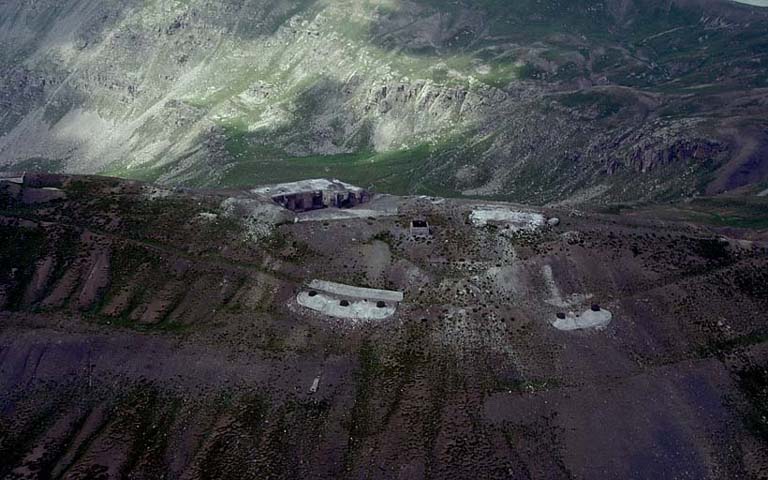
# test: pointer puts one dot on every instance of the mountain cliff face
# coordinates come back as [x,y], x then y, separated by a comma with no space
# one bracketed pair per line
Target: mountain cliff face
[550,101]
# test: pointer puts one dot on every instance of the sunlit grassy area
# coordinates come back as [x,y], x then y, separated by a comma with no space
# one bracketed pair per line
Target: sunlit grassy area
[737,212]
[393,172]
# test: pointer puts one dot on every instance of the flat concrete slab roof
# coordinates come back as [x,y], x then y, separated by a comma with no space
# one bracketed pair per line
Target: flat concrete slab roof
[329,305]
[587,319]
[13,177]
[356,292]
[517,220]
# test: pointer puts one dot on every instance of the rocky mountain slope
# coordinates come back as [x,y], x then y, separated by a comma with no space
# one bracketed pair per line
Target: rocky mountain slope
[537,101]
[148,333]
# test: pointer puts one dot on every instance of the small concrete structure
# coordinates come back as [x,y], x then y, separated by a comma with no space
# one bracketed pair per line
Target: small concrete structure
[594,318]
[315,194]
[347,302]
[315,385]
[515,220]
[419,228]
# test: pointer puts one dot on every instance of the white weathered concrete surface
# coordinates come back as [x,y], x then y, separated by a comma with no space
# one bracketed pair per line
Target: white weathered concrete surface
[17,178]
[756,3]
[312,185]
[516,220]
[330,305]
[586,320]
[356,292]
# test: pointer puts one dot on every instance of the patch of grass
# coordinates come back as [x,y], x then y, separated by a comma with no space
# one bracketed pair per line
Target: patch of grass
[393,172]
[20,249]
[382,376]
[739,212]
[148,415]
[67,246]
[753,282]
[753,382]
[720,346]
[370,369]
[529,71]
[259,440]
[15,443]
[713,249]
[135,264]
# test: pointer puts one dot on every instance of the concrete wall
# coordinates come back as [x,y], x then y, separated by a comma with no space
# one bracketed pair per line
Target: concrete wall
[356,292]
[313,200]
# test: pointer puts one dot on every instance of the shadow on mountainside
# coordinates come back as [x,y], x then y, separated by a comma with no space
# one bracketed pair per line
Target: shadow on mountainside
[637,44]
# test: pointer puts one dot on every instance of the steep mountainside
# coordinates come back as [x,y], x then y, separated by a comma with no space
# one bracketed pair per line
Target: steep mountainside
[537,101]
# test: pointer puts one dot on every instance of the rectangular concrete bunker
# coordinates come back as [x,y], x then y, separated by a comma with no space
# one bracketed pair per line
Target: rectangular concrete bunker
[349,302]
[315,194]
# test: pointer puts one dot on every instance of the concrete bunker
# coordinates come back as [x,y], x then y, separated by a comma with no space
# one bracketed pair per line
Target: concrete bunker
[348,302]
[13,177]
[593,318]
[307,195]
[419,228]
[515,220]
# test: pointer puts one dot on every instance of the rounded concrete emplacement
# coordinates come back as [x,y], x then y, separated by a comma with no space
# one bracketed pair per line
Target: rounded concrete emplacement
[589,319]
[333,306]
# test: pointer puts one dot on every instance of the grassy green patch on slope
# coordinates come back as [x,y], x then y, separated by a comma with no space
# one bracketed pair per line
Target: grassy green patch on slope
[604,104]
[731,212]
[753,382]
[736,212]
[393,172]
